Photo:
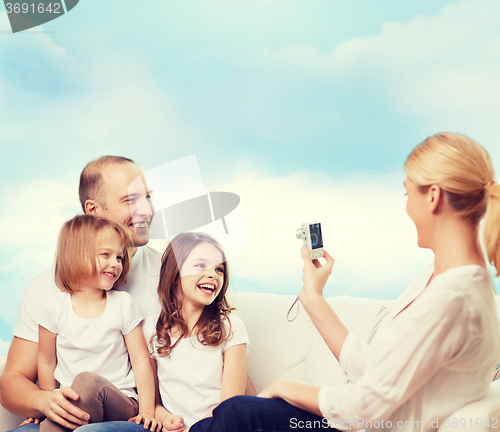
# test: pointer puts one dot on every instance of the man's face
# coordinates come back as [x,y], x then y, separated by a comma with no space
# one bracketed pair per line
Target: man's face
[127,200]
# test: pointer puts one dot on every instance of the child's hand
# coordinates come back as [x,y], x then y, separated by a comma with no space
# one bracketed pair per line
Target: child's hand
[149,422]
[30,420]
[174,423]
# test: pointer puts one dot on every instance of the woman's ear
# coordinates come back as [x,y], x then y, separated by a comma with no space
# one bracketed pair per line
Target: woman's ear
[435,196]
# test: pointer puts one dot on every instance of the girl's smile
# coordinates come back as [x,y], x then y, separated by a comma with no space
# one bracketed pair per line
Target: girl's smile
[202,275]
[109,260]
[207,288]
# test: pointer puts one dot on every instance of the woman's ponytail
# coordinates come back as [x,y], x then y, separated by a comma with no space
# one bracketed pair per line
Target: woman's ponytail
[491,230]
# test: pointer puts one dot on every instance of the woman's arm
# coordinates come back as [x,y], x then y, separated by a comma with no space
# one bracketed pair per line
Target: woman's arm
[323,317]
[139,359]
[300,395]
[47,359]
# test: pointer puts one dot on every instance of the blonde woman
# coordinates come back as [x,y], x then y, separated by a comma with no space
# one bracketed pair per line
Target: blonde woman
[437,349]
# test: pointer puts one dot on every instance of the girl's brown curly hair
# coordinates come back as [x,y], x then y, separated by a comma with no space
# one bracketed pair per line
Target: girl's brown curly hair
[211,330]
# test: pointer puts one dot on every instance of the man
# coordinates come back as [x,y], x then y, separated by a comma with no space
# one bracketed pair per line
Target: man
[115,188]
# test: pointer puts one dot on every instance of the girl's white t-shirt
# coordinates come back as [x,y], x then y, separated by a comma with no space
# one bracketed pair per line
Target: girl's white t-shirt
[92,345]
[190,379]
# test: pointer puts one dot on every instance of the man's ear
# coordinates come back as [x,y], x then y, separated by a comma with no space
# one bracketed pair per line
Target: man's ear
[92,207]
[435,197]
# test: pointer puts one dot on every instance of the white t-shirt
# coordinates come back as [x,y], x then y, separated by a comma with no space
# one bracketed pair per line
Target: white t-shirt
[190,379]
[426,361]
[93,345]
[142,284]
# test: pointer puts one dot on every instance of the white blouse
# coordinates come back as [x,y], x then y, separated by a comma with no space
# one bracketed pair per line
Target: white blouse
[435,352]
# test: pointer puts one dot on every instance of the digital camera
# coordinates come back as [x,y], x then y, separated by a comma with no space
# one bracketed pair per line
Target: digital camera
[310,233]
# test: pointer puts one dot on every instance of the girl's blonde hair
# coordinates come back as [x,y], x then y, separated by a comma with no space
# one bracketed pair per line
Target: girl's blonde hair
[463,171]
[76,251]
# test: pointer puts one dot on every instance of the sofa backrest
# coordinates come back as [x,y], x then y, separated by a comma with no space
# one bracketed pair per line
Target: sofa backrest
[294,350]
[277,347]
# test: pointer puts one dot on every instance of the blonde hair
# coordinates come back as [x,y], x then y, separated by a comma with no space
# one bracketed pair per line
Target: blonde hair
[76,251]
[463,171]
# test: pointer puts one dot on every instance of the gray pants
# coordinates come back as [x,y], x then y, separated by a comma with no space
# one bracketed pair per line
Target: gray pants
[101,399]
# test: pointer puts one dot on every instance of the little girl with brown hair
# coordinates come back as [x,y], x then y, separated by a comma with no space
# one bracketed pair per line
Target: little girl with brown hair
[198,350]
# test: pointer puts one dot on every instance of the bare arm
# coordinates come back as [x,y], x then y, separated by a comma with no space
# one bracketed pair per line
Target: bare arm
[139,359]
[323,317]
[300,395]
[47,359]
[20,394]
[234,374]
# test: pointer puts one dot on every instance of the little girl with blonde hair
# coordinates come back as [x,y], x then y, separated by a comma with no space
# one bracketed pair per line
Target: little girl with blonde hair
[90,337]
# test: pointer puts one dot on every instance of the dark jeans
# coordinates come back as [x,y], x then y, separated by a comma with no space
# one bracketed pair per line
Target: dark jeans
[253,414]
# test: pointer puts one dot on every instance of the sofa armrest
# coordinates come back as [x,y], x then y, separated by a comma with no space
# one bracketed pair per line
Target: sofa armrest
[8,420]
[479,416]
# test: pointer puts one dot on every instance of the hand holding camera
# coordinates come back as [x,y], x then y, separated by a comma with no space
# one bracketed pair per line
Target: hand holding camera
[311,236]
[315,275]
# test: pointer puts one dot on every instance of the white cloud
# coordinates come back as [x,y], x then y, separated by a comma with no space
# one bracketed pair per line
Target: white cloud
[442,71]
[37,210]
[444,40]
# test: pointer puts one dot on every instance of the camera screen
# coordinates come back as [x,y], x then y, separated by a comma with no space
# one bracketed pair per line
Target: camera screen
[316,238]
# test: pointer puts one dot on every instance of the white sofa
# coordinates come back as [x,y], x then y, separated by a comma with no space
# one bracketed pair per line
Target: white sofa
[294,350]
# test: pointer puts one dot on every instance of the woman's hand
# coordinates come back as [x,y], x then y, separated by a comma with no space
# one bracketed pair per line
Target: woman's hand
[149,421]
[315,275]
[174,423]
[300,395]
[269,393]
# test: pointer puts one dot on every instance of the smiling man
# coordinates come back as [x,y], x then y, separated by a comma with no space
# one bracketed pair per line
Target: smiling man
[115,188]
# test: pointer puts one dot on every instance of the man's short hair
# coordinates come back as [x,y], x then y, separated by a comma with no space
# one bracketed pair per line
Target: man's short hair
[91,179]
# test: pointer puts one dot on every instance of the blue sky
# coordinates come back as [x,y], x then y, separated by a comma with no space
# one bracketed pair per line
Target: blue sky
[306,109]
